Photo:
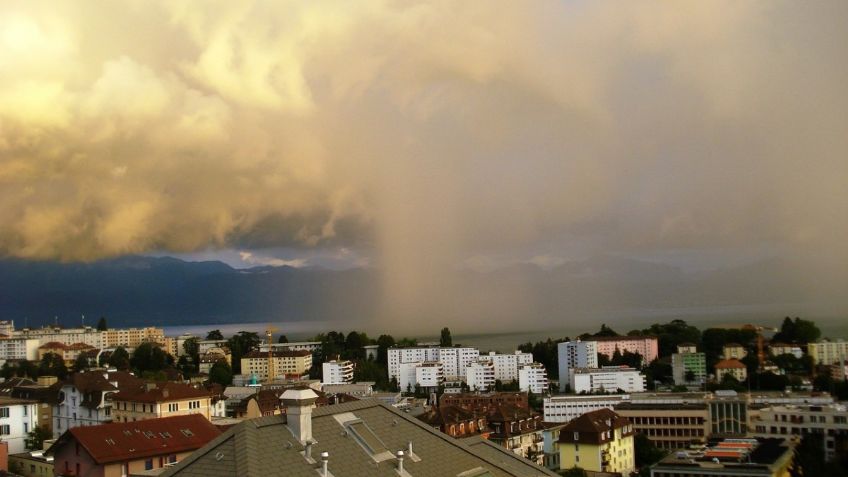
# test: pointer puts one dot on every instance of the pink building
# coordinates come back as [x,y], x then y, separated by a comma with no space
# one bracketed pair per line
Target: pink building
[644,345]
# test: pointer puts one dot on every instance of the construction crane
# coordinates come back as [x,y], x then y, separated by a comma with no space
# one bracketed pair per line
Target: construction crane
[758,329]
[269,333]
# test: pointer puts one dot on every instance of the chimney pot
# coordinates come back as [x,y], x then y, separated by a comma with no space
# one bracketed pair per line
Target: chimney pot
[325,460]
[400,462]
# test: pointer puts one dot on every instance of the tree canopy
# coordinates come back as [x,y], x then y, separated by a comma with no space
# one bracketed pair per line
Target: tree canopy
[101,324]
[445,339]
[798,331]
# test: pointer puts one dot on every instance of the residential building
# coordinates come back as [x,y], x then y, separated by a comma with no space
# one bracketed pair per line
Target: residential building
[575,354]
[828,352]
[311,346]
[129,448]
[668,422]
[562,409]
[206,345]
[598,441]
[7,327]
[265,402]
[68,352]
[607,379]
[480,375]
[17,418]
[777,349]
[425,375]
[286,363]
[44,396]
[162,399]
[645,346]
[533,378]
[454,359]
[348,440]
[337,372]
[455,421]
[839,371]
[550,445]
[180,341]
[484,401]
[371,351]
[18,348]
[731,458]
[733,351]
[362,389]
[85,399]
[517,429]
[31,464]
[733,367]
[688,366]
[47,334]
[794,422]
[131,337]
[507,365]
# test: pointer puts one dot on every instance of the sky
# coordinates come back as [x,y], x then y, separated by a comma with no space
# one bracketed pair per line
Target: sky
[419,138]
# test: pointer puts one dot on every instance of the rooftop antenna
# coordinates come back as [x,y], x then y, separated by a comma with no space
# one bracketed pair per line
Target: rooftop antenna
[83,321]
[56,321]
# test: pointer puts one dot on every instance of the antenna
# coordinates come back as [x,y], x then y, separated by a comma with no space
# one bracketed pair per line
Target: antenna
[83,321]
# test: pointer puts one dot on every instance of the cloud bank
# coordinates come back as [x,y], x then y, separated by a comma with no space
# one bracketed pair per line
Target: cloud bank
[425,134]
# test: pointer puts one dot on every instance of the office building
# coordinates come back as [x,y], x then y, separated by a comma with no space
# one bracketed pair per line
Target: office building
[563,409]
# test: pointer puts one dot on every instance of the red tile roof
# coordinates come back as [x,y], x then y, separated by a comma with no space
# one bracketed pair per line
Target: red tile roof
[140,439]
[160,392]
[729,364]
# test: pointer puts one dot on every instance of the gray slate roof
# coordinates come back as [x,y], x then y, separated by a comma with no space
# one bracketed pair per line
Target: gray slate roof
[265,447]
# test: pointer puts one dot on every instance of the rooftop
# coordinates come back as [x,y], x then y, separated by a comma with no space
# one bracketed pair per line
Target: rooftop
[733,453]
[160,392]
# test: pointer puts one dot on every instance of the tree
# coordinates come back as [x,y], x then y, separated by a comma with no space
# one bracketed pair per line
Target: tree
[574,472]
[52,365]
[215,335]
[101,324]
[797,331]
[809,457]
[446,339]
[606,331]
[689,376]
[353,345]
[283,339]
[120,359]
[240,344]
[37,436]
[221,373]
[148,357]
[384,342]
[645,452]
[670,335]
[81,363]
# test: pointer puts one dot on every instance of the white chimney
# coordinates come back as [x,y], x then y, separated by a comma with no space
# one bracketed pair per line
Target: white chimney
[298,404]
[400,462]
[325,460]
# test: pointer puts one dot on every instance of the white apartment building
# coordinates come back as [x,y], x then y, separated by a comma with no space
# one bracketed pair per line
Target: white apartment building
[480,375]
[337,372]
[7,327]
[533,378]
[608,378]
[427,375]
[18,348]
[311,346]
[507,365]
[828,352]
[454,360]
[180,343]
[126,337]
[792,422]
[566,408]
[17,418]
[86,399]
[575,354]
[777,349]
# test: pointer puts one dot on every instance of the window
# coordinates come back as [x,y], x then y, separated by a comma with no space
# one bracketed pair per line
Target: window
[4,412]
[5,430]
[148,464]
[187,432]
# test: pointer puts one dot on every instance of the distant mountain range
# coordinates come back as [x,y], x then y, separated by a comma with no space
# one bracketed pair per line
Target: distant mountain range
[137,290]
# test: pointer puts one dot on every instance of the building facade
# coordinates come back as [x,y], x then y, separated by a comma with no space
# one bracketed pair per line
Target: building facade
[157,400]
[286,363]
[688,366]
[794,422]
[17,348]
[480,375]
[607,379]
[732,367]
[828,352]
[533,378]
[575,354]
[85,399]
[337,372]
[425,375]
[598,441]
[646,346]
[563,409]
[17,418]
[454,359]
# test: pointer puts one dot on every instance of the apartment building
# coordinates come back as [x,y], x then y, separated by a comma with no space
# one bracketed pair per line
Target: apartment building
[337,372]
[507,365]
[17,418]
[575,354]
[533,378]
[454,359]
[480,375]
[426,375]
[85,399]
[517,429]
[598,441]
[828,352]
[155,400]
[69,353]
[777,349]
[126,337]
[17,348]
[688,366]
[131,337]
[131,448]
[562,409]
[311,346]
[477,401]
[732,367]
[793,422]
[730,458]
[733,351]
[607,379]
[286,363]
[646,346]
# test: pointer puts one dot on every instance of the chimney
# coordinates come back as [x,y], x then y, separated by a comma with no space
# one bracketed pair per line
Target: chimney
[325,460]
[149,386]
[400,462]
[298,404]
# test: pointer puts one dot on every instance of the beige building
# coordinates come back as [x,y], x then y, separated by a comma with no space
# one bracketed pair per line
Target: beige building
[828,352]
[733,367]
[669,425]
[285,363]
[68,352]
[734,351]
[792,422]
[131,337]
[154,400]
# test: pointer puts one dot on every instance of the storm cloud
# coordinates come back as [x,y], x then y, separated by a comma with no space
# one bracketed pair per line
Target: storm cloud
[426,135]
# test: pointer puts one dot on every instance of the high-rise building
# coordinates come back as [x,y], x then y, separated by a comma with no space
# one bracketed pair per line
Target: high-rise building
[688,366]
[533,378]
[575,354]
[480,375]
[454,359]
